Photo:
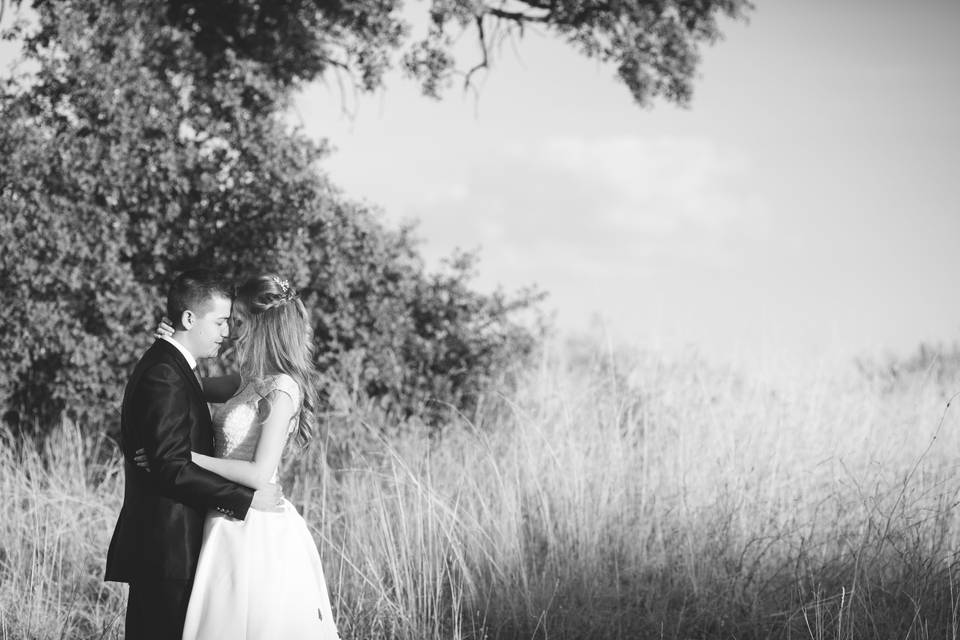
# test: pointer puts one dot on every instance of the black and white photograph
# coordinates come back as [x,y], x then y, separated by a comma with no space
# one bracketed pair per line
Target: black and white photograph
[479,320]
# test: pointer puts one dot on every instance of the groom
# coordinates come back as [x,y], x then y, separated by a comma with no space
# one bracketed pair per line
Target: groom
[156,543]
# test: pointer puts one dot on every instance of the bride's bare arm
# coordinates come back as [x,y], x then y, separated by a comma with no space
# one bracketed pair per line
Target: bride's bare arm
[275,412]
[220,388]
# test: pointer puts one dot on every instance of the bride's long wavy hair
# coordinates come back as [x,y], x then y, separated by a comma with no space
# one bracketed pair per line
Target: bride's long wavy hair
[274,336]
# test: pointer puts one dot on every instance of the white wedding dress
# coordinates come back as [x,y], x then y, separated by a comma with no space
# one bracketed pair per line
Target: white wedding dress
[258,578]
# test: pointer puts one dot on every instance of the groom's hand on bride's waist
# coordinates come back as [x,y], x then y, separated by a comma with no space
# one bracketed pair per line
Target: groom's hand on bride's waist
[269,498]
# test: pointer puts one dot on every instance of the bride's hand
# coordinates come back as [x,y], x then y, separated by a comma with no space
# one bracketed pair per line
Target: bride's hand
[164,329]
[140,459]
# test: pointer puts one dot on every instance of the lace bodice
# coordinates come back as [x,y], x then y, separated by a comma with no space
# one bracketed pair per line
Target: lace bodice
[236,429]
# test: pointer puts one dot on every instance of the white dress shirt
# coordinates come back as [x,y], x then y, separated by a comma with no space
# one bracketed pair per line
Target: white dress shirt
[191,361]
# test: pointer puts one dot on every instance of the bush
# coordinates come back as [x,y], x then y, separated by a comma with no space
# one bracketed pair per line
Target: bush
[130,157]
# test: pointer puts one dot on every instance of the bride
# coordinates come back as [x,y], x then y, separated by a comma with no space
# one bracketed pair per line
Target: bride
[261,578]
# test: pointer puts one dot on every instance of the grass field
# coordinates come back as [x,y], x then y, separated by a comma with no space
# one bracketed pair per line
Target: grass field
[630,497]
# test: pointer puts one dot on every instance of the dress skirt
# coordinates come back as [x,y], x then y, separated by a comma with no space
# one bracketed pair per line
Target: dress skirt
[259,579]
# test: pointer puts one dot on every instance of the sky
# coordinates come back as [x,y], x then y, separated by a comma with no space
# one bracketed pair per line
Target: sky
[805,207]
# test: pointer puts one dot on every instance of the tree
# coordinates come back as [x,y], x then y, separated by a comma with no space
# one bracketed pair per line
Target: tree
[151,139]
[653,44]
[128,159]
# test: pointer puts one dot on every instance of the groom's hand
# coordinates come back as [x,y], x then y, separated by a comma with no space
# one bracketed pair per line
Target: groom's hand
[270,498]
[140,459]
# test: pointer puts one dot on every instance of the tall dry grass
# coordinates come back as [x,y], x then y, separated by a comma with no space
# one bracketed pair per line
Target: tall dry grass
[609,497]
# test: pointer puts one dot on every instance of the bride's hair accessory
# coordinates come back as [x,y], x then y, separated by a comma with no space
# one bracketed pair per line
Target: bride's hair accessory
[286,291]
[283,284]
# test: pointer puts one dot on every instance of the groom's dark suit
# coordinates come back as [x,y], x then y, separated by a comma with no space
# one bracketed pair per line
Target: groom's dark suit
[156,543]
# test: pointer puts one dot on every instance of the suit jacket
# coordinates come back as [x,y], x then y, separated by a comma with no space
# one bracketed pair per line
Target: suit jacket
[160,528]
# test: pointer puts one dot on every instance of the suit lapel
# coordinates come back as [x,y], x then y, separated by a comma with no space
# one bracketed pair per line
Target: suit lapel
[181,364]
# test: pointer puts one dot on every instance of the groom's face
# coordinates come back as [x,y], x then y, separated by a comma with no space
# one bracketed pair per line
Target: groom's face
[209,327]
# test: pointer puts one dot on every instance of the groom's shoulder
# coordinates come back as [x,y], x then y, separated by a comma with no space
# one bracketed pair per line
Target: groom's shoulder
[156,372]
[156,357]
[155,353]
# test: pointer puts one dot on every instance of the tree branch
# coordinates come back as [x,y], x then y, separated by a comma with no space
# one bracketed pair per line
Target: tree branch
[539,5]
[485,62]
[519,18]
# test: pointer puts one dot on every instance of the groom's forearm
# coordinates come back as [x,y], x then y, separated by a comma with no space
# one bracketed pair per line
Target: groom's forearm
[192,484]
[167,444]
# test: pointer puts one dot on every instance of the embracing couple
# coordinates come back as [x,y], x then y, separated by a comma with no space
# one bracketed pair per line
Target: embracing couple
[205,539]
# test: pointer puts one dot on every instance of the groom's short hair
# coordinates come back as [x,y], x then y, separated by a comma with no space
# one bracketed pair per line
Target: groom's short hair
[191,289]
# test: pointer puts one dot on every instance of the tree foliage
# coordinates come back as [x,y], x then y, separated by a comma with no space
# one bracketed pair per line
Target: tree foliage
[654,45]
[151,138]
[129,156]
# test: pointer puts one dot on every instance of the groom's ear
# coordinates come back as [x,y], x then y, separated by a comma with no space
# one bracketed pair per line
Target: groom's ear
[187,319]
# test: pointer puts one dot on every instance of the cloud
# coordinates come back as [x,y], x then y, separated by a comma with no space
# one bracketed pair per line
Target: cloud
[599,223]
[600,206]
[655,185]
